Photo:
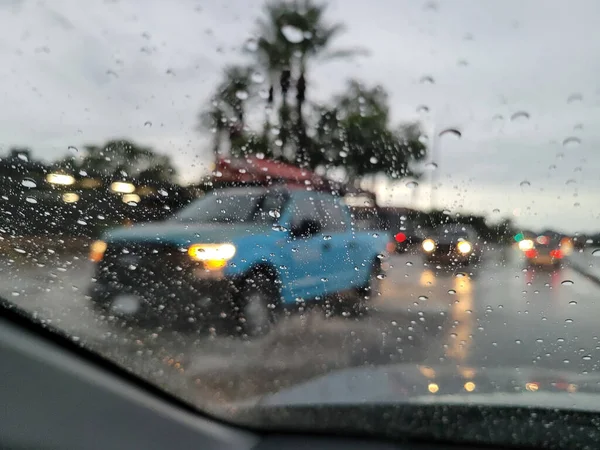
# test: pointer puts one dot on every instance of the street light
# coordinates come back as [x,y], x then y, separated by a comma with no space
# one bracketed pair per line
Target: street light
[60,178]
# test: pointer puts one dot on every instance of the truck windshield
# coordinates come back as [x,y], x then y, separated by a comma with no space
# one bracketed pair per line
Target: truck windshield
[226,207]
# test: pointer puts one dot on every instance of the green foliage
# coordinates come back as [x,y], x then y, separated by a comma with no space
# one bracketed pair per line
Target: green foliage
[121,159]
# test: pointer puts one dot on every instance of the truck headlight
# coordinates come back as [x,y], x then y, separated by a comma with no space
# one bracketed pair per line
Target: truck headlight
[97,250]
[464,247]
[428,245]
[214,256]
[526,244]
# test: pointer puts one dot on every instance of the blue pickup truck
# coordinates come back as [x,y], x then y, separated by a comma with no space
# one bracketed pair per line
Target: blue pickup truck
[242,254]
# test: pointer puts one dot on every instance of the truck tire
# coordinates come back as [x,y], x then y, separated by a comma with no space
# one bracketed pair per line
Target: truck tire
[373,286]
[259,302]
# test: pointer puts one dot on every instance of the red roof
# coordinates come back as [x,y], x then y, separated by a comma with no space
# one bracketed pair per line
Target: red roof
[263,171]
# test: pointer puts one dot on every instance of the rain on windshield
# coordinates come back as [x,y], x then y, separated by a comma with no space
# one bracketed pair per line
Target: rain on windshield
[237,200]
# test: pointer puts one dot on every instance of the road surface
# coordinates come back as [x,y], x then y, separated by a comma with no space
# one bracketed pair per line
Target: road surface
[497,314]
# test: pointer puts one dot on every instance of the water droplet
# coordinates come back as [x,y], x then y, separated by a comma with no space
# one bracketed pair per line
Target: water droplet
[412,185]
[452,292]
[324,280]
[373,160]
[518,341]
[408,263]
[326,237]
[571,142]
[20,250]
[568,320]
[28,183]
[423,298]
[572,303]
[596,253]
[570,181]
[81,222]
[524,183]
[587,358]
[496,211]
[520,116]
[578,127]
[73,150]
[575,97]
[453,132]
[292,34]
[422,109]
[426,79]
[380,276]
[257,77]
[242,95]
[460,275]
[147,124]
[251,44]
[539,341]
[567,283]
[31,200]
[431,166]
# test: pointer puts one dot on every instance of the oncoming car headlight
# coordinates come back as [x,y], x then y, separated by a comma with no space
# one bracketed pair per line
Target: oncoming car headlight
[464,247]
[428,245]
[214,256]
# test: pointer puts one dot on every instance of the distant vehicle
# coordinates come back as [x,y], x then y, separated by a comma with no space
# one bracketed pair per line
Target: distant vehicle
[240,253]
[453,244]
[545,250]
[401,224]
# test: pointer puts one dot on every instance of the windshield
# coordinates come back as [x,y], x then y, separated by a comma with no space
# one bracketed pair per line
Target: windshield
[228,207]
[262,202]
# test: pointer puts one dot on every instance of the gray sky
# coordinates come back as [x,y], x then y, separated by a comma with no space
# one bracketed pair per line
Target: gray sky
[75,74]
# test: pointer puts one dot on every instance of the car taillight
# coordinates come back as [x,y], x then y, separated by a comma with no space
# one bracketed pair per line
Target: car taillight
[556,254]
[531,253]
[400,237]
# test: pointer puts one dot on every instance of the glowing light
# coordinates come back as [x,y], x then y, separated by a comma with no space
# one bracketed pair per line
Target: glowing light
[60,178]
[519,237]
[97,250]
[400,237]
[543,240]
[531,253]
[433,388]
[122,187]
[469,386]
[532,387]
[428,245]
[427,371]
[464,247]
[70,197]
[525,244]
[214,256]
[131,198]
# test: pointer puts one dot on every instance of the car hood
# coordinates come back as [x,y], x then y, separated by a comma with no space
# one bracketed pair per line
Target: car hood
[178,233]
[412,383]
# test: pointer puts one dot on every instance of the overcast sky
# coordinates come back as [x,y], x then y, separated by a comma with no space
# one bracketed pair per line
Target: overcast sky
[80,72]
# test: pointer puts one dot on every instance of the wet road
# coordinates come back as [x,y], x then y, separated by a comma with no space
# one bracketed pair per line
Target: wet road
[493,315]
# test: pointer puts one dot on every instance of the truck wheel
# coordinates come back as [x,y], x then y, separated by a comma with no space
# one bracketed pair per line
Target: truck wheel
[259,302]
[373,286]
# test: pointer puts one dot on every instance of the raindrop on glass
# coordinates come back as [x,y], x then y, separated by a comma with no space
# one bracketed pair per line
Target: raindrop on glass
[571,142]
[453,132]
[31,200]
[520,116]
[242,95]
[524,183]
[292,34]
[423,298]
[427,79]
[412,185]
[251,45]
[28,183]
[452,292]
[147,124]
[567,283]
[575,97]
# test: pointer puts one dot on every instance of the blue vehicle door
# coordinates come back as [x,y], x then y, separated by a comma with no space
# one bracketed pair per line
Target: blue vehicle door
[339,248]
[304,255]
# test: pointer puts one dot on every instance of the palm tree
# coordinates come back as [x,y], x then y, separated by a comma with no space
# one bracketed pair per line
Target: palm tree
[227,111]
[291,34]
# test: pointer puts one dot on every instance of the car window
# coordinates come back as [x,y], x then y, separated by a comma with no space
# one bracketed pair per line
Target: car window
[333,216]
[305,208]
[158,160]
